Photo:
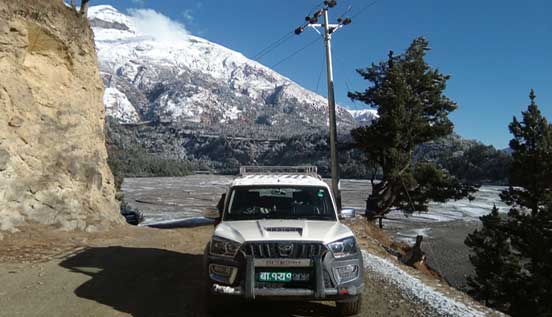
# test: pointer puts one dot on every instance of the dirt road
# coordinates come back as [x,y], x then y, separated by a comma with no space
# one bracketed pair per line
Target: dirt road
[139,272]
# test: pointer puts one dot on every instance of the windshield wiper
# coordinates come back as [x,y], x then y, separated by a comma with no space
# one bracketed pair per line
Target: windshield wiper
[318,217]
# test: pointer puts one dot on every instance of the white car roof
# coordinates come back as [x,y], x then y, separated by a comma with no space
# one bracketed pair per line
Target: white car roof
[279,179]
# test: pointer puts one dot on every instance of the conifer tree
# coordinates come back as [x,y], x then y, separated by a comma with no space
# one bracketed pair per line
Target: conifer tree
[513,254]
[496,266]
[408,95]
[531,170]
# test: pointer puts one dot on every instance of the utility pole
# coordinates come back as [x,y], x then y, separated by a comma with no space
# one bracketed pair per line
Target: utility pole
[328,29]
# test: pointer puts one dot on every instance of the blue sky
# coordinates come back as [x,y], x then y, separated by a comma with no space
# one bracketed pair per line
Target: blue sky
[494,50]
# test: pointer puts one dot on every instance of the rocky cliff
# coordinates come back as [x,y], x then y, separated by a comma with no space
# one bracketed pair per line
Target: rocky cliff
[53,167]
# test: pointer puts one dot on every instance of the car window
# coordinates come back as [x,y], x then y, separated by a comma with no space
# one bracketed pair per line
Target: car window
[281,202]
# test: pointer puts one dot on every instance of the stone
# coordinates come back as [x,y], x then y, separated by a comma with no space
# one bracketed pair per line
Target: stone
[4,159]
[15,122]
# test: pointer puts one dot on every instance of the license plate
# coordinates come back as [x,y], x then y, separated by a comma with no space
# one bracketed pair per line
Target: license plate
[284,277]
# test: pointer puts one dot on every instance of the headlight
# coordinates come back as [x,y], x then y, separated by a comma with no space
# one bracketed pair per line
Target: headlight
[343,247]
[223,247]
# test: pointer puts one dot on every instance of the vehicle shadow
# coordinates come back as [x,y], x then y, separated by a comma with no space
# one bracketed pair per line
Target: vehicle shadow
[155,282]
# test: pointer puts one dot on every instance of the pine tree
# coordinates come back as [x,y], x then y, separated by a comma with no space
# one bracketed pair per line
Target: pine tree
[497,267]
[408,95]
[531,165]
[514,255]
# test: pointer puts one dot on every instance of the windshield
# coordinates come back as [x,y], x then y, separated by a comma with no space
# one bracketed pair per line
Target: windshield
[269,202]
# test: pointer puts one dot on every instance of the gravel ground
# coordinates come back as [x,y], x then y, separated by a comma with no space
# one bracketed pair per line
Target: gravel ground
[135,271]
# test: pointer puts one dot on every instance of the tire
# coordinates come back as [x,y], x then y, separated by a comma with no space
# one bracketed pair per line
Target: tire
[349,308]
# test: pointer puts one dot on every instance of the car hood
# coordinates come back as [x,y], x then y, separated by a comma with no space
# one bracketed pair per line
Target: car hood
[278,230]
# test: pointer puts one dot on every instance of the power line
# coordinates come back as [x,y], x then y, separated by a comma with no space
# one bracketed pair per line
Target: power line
[320,74]
[296,52]
[316,7]
[346,11]
[349,90]
[364,8]
[274,45]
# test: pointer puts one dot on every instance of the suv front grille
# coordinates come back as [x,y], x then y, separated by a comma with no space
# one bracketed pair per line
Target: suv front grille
[299,250]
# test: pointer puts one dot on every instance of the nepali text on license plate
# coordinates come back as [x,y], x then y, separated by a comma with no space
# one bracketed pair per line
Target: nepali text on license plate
[275,276]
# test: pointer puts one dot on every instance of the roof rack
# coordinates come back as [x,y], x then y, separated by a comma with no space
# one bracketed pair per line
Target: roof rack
[305,170]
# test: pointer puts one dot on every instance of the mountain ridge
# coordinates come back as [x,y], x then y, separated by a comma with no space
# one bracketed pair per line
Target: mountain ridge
[194,80]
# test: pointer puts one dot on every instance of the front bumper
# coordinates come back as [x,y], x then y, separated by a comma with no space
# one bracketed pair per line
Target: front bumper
[326,293]
[320,288]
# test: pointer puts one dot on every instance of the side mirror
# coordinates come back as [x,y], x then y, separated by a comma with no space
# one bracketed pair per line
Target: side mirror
[218,220]
[213,214]
[347,213]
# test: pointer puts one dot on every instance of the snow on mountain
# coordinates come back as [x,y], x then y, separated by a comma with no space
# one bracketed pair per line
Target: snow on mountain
[118,106]
[155,70]
[364,116]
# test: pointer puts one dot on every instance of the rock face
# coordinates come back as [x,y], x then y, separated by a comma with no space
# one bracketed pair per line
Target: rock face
[53,168]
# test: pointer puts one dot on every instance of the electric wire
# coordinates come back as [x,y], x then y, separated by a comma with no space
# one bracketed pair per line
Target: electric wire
[284,38]
[346,11]
[297,51]
[320,74]
[316,7]
[364,8]
[342,65]
[273,46]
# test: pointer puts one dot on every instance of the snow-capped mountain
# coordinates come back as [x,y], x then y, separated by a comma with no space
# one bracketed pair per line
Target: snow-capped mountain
[190,79]
[364,116]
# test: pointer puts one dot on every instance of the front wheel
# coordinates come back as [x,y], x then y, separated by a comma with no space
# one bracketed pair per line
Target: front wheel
[349,308]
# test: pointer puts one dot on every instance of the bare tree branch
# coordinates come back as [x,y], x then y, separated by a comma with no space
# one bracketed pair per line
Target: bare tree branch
[73,5]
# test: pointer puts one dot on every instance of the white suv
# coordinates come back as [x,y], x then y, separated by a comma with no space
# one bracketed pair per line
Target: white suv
[279,237]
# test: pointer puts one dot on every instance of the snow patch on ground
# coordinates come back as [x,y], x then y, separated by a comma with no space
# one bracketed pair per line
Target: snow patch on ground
[409,236]
[462,209]
[415,289]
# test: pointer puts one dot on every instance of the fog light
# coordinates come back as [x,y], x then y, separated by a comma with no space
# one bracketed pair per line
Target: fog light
[222,273]
[346,273]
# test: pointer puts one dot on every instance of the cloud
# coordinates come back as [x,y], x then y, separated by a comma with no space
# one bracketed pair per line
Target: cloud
[139,2]
[158,26]
[187,15]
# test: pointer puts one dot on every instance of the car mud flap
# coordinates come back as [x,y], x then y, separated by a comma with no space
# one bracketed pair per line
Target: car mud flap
[319,291]
[249,277]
